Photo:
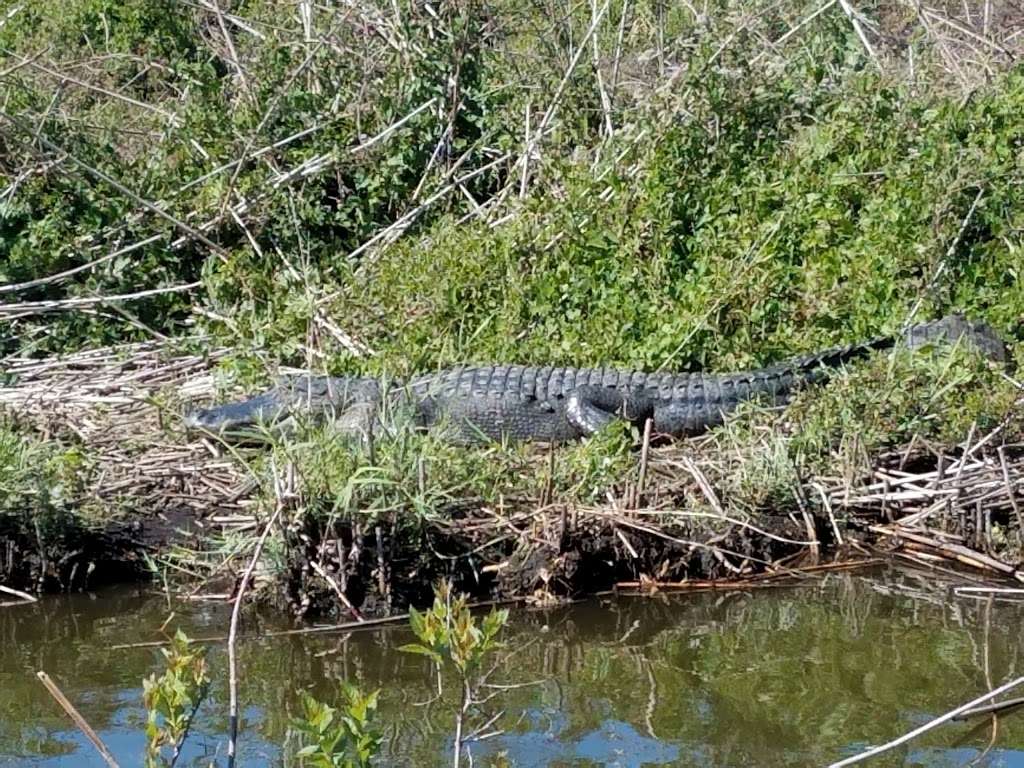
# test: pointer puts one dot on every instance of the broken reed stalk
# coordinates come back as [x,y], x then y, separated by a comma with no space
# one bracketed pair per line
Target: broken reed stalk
[56,305]
[990,709]
[23,596]
[927,726]
[233,635]
[79,721]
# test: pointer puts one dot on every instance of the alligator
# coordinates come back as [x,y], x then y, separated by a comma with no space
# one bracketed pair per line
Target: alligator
[551,404]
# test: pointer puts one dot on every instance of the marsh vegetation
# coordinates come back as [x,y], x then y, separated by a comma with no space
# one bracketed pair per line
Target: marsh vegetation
[196,201]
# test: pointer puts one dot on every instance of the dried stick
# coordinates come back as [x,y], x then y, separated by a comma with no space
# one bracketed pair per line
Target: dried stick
[230,43]
[56,305]
[990,709]
[176,753]
[73,713]
[524,179]
[401,224]
[323,574]
[945,259]
[258,153]
[393,127]
[233,633]
[18,593]
[243,24]
[645,450]
[852,15]
[557,98]
[267,114]
[64,77]
[58,276]
[927,726]
[800,25]
[606,103]
[618,47]
[964,30]
[304,170]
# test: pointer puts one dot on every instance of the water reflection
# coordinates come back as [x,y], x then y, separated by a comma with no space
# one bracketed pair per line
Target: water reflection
[795,676]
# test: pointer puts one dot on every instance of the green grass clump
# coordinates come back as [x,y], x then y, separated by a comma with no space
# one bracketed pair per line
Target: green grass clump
[415,477]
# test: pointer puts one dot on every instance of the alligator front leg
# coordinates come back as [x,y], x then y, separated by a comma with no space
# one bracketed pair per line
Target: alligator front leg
[592,408]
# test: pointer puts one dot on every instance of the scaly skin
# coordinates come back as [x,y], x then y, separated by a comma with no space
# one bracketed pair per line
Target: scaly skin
[559,404]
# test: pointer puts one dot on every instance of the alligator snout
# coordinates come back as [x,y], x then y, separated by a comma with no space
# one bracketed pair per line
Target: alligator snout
[246,416]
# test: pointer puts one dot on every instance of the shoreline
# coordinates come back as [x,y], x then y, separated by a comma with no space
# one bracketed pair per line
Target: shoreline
[659,514]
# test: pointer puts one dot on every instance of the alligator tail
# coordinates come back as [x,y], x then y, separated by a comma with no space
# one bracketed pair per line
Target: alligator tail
[952,329]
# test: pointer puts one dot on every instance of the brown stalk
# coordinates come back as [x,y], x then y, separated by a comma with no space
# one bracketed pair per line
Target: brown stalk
[79,721]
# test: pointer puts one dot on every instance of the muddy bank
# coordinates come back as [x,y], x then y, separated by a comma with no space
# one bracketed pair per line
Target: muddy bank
[352,571]
[356,568]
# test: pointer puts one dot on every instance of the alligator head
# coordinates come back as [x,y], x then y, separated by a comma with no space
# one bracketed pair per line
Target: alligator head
[274,410]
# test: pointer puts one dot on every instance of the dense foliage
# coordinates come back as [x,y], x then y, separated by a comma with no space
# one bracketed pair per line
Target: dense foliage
[704,207]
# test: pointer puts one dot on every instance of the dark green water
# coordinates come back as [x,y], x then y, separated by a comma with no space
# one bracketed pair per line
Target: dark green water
[790,677]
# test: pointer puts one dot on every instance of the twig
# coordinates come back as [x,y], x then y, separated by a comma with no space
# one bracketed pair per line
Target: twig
[322,573]
[244,24]
[73,713]
[230,43]
[945,259]
[401,224]
[267,114]
[57,277]
[63,76]
[233,632]
[964,30]
[556,99]
[188,727]
[645,450]
[927,726]
[524,179]
[18,593]
[304,170]
[258,153]
[57,305]
[957,552]
[606,103]
[800,25]
[392,128]
[990,709]
[852,15]
[618,46]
